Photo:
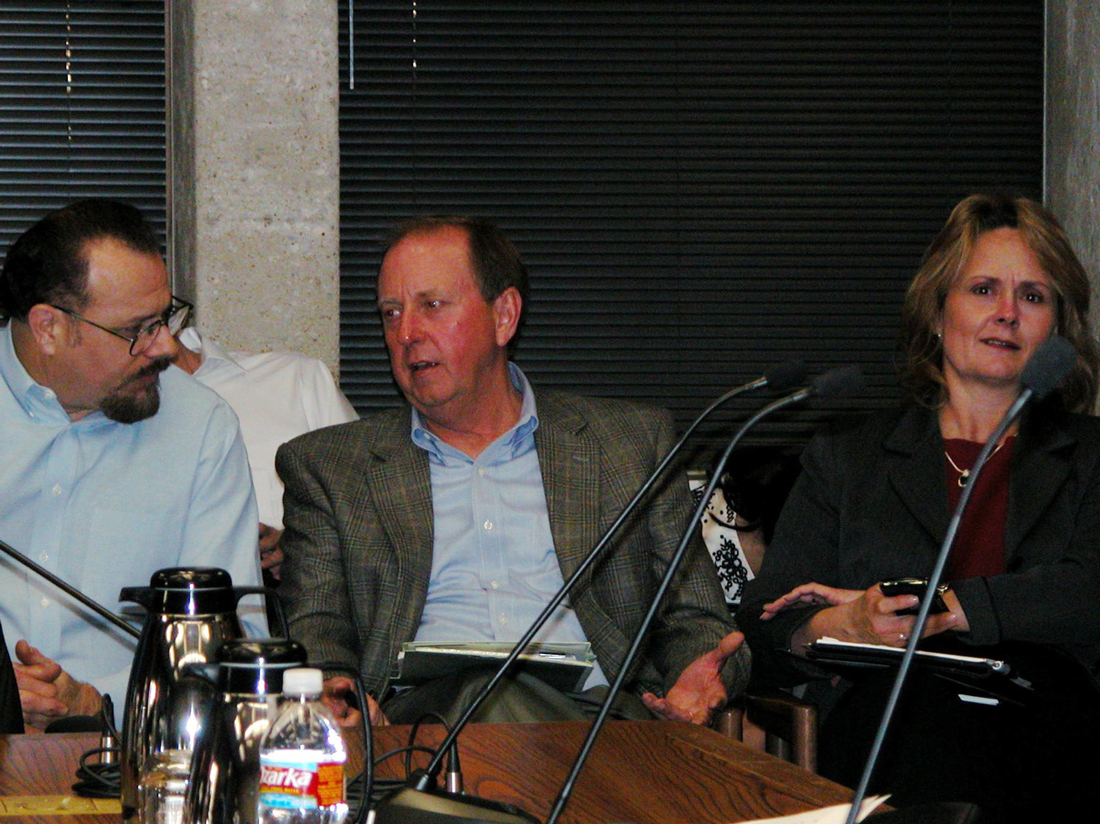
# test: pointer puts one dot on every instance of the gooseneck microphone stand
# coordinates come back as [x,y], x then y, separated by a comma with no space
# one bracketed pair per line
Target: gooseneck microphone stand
[94,606]
[780,377]
[835,383]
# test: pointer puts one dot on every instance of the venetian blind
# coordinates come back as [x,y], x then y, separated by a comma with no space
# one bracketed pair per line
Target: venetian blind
[81,107]
[700,189]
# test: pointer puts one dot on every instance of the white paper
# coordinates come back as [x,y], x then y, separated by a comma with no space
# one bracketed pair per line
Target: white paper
[827,815]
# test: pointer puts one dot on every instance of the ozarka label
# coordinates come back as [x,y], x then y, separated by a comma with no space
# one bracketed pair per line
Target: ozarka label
[301,784]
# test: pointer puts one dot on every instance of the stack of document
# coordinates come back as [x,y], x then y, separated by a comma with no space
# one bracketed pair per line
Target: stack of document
[562,666]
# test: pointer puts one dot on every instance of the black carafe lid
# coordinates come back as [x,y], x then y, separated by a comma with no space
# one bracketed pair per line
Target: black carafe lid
[255,666]
[191,591]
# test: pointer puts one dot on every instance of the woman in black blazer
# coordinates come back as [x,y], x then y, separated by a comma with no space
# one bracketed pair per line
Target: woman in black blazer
[874,501]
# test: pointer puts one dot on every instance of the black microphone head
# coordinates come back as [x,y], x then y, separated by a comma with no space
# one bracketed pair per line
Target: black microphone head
[76,723]
[1048,367]
[786,375]
[838,383]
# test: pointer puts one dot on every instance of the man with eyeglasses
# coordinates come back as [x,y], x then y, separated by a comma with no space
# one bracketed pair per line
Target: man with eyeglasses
[113,467]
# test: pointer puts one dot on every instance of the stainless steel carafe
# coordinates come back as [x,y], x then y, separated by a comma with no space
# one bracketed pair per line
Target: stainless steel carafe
[190,613]
[225,767]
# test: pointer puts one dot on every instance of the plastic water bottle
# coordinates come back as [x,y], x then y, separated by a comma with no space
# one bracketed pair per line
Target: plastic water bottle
[302,758]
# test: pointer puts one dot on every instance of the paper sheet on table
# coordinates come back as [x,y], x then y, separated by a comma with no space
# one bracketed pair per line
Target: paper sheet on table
[827,815]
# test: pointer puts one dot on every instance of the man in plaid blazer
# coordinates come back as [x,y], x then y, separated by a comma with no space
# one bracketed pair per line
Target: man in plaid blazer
[371,521]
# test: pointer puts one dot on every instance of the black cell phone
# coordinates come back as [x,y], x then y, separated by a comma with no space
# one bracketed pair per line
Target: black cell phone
[914,586]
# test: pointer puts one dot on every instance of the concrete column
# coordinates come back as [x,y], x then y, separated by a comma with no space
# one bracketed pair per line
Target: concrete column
[254,179]
[1073,129]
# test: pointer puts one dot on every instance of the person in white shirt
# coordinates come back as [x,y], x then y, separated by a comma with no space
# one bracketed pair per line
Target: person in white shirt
[277,396]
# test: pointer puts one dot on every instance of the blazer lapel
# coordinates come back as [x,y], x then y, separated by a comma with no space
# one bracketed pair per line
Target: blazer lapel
[570,466]
[915,467]
[569,459]
[1039,469]
[400,482]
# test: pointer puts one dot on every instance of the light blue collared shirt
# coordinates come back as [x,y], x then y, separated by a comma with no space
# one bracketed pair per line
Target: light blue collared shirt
[494,568]
[103,505]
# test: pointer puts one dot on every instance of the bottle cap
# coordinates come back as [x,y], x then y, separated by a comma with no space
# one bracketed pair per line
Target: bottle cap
[303,681]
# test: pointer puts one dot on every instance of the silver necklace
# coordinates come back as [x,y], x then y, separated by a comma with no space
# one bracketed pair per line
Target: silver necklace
[964,474]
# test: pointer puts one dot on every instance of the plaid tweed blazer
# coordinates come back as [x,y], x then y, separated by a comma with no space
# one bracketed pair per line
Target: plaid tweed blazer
[358,540]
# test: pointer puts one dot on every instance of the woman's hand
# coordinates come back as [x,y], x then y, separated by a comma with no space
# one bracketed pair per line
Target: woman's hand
[811,593]
[871,619]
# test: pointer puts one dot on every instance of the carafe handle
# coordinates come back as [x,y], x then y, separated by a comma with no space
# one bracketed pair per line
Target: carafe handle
[277,603]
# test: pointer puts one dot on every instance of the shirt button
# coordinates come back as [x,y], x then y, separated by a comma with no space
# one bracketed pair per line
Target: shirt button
[45,602]
[503,620]
[49,393]
[56,489]
[493,584]
[481,472]
[43,557]
[488,525]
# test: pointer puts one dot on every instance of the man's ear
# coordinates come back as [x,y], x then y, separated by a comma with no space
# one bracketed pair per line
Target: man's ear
[507,307]
[49,327]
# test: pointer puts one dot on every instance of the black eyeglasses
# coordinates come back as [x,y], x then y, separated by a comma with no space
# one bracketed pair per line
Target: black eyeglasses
[174,317]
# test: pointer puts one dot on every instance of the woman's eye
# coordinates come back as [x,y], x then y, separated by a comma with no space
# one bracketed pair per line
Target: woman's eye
[980,289]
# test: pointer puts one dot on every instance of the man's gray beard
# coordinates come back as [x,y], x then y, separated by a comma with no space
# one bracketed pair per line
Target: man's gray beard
[132,408]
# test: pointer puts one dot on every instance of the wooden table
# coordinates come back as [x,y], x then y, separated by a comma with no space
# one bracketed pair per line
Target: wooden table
[643,772]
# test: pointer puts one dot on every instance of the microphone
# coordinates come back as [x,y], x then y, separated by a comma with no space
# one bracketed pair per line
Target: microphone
[68,589]
[838,383]
[419,802]
[833,384]
[1043,373]
[1048,367]
[784,376]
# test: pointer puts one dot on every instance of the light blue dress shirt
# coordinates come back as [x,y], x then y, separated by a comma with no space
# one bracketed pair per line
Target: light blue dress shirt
[103,505]
[494,568]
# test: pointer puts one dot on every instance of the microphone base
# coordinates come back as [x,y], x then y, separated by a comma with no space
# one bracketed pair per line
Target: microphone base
[409,806]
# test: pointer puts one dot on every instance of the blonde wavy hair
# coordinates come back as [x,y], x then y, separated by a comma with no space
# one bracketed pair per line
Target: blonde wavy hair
[921,350]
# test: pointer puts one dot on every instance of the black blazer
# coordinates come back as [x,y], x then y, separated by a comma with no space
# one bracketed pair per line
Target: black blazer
[871,504]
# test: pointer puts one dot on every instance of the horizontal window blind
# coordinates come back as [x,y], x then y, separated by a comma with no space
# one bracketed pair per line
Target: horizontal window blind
[699,189]
[81,107]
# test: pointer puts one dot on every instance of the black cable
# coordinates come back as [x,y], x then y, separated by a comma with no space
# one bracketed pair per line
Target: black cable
[101,780]
[386,755]
[368,740]
[382,787]
[412,736]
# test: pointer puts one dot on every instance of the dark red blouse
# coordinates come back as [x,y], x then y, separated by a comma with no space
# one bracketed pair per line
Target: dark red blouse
[979,549]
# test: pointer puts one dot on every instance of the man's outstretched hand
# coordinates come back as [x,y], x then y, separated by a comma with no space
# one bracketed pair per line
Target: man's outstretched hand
[47,692]
[699,690]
